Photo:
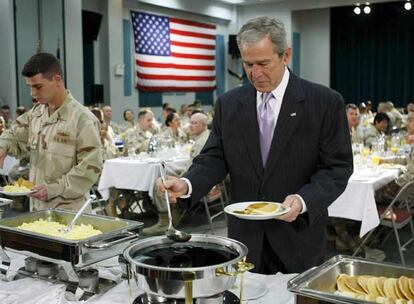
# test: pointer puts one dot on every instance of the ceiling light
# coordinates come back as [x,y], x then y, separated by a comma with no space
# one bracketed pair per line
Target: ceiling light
[408,5]
[357,9]
[367,8]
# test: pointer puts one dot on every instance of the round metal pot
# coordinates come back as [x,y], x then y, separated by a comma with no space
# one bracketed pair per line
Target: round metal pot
[175,282]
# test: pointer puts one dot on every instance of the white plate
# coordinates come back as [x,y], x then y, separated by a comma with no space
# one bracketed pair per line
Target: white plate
[241,206]
[15,193]
[252,289]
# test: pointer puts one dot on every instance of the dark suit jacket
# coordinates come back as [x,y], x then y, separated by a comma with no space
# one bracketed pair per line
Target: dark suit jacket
[310,155]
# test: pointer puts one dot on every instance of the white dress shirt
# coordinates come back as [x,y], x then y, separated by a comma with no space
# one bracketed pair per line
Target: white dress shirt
[275,103]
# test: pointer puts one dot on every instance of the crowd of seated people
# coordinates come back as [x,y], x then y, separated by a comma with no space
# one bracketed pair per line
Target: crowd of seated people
[135,134]
[376,133]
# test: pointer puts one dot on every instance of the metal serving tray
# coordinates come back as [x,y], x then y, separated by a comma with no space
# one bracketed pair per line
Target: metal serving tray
[117,234]
[320,282]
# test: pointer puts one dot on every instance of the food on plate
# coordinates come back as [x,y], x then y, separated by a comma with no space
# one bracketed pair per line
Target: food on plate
[78,232]
[376,289]
[21,185]
[259,208]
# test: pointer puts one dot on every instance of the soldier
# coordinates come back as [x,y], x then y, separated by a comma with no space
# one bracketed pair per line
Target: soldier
[385,194]
[113,127]
[138,137]
[61,137]
[173,131]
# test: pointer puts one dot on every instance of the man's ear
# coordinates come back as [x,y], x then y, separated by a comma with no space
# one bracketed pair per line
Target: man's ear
[287,55]
[58,79]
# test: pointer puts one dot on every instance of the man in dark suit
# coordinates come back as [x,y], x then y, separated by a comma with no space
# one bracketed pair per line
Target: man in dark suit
[281,139]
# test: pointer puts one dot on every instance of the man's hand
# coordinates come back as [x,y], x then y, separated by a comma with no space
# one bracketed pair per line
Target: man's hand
[39,192]
[292,201]
[176,187]
[3,155]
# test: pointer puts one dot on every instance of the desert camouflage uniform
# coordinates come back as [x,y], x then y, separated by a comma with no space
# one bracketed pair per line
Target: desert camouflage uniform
[408,175]
[180,138]
[65,152]
[137,138]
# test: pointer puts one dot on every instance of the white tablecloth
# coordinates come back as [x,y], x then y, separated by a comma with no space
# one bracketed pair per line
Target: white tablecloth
[35,291]
[134,174]
[358,200]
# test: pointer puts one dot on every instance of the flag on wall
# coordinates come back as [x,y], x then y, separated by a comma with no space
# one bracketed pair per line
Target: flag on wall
[173,54]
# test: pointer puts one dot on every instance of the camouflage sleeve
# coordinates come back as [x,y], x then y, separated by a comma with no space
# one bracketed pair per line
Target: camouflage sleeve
[14,140]
[88,165]
[407,176]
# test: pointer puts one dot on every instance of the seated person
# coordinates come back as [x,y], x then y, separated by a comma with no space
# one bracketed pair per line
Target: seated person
[198,129]
[388,192]
[128,121]
[378,128]
[137,138]
[352,115]
[173,130]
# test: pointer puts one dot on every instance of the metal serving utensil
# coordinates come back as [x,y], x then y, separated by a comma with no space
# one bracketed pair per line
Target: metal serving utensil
[171,232]
[77,215]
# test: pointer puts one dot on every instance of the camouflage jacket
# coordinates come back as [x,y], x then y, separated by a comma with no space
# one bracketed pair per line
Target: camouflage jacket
[408,175]
[64,148]
[137,139]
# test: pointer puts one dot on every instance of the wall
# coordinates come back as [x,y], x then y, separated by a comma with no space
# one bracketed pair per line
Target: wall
[73,48]
[314,29]
[8,92]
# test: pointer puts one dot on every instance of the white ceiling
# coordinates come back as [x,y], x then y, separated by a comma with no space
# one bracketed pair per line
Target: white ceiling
[316,2]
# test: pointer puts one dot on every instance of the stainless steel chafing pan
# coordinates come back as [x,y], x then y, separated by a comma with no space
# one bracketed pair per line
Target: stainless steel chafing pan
[117,234]
[320,282]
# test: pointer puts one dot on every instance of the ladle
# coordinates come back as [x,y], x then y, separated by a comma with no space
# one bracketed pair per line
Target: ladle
[78,214]
[171,232]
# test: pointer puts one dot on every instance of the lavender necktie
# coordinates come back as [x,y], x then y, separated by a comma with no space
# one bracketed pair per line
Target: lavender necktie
[266,125]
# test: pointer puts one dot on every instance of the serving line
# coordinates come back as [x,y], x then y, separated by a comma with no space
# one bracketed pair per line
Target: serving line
[34,291]
[357,202]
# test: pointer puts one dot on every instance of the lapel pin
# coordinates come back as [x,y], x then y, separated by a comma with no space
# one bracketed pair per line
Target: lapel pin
[292,114]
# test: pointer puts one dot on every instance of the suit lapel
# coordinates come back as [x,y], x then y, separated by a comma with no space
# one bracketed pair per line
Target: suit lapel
[289,115]
[249,128]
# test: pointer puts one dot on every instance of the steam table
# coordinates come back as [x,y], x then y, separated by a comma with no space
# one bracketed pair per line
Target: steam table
[34,291]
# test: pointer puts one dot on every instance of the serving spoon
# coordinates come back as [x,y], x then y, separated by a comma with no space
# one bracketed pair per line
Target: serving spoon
[171,232]
[69,227]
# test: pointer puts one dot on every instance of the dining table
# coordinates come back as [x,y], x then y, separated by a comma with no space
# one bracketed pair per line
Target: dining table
[139,172]
[357,202]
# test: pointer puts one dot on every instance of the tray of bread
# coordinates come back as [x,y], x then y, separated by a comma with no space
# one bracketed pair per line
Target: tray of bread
[344,279]
[256,210]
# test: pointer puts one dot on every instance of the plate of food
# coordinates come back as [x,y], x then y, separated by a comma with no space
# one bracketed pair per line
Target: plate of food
[20,187]
[256,210]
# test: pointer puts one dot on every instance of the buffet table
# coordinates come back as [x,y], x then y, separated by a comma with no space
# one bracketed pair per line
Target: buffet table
[358,200]
[34,291]
[134,173]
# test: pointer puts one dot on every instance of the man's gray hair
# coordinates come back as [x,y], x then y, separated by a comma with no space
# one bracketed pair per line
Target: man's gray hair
[200,117]
[258,28]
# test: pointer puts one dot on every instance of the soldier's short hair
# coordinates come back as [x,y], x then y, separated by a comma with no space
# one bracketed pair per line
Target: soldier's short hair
[42,63]
[381,117]
[143,112]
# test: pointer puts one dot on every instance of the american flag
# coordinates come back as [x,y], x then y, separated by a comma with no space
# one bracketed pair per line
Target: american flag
[173,54]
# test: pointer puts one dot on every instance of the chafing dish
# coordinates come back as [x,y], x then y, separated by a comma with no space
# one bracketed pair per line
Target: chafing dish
[117,234]
[203,267]
[320,282]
